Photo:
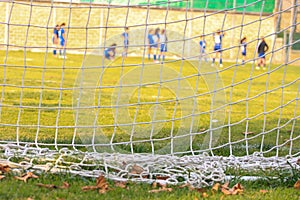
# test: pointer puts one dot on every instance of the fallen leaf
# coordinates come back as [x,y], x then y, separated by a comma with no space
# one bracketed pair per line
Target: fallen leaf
[201,190]
[263,191]
[87,188]
[26,176]
[29,198]
[161,190]
[65,185]
[196,198]
[297,185]
[49,186]
[204,195]
[215,188]
[225,191]
[237,191]
[4,168]
[120,184]
[136,169]
[298,161]
[248,133]
[225,185]
[2,177]
[101,184]
[185,185]
[154,185]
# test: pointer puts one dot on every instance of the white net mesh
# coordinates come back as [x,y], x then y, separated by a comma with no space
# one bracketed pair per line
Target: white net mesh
[187,117]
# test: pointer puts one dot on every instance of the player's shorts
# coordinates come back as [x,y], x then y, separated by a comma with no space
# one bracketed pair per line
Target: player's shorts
[126,43]
[163,48]
[261,55]
[62,43]
[217,47]
[244,53]
[106,54]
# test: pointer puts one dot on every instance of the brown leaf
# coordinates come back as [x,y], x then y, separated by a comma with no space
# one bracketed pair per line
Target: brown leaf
[154,185]
[4,168]
[297,185]
[298,161]
[65,185]
[87,188]
[101,184]
[225,185]
[263,191]
[136,169]
[26,176]
[225,191]
[237,191]
[120,184]
[248,133]
[215,188]
[2,177]
[204,195]
[161,190]
[162,177]
[49,186]
[196,198]
[185,185]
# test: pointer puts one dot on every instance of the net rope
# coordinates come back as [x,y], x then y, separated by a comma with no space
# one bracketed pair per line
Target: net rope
[177,121]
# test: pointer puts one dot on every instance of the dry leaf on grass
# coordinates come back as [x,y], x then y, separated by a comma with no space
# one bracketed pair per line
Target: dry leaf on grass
[164,189]
[136,169]
[297,185]
[236,189]
[248,133]
[225,185]
[162,177]
[51,186]
[4,168]
[2,177]
[215,188]
[120,184]
[263,191]
[154,185]
[101,184]
[26,176]
[204,195]
[298,161]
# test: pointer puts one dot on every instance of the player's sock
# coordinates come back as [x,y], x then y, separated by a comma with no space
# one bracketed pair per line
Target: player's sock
[243,62]
[221,62]
[158,57]
[163,58]
[213,61]
[149,56]
[60,52]
[154,56]
[54,52]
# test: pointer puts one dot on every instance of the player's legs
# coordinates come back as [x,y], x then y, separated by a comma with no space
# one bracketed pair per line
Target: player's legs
[149,51]
[154,52]
[125,51]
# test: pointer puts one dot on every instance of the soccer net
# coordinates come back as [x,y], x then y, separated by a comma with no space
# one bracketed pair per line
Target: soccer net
[150,91]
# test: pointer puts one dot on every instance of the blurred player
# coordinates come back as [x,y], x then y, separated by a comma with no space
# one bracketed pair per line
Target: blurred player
[150,42]
[110,52]
[261,50]
[218,36]
[244,49]
[62,38]
[163,45]
[126,41]
[55,39]
[202,44]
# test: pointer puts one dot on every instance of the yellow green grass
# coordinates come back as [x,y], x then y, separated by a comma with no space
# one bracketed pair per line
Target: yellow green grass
[37,89]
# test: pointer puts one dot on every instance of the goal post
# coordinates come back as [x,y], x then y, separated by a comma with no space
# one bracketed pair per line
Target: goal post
[200,101]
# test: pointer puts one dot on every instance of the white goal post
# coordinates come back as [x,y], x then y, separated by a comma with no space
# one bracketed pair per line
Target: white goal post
[184,108]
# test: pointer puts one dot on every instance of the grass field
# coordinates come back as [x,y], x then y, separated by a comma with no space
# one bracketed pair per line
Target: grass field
[38,104]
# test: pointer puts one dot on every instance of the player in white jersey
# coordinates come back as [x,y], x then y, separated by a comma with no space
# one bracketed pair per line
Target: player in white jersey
[202,44]
[163,45]
[218,36]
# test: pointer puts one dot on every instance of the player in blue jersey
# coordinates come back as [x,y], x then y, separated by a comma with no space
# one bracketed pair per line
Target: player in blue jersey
[244,49]
[55,39]
[125,36]
[218,36]
[261,50]
[153,40]
[62,39]
[163,45]
[110,52]
[202,44]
